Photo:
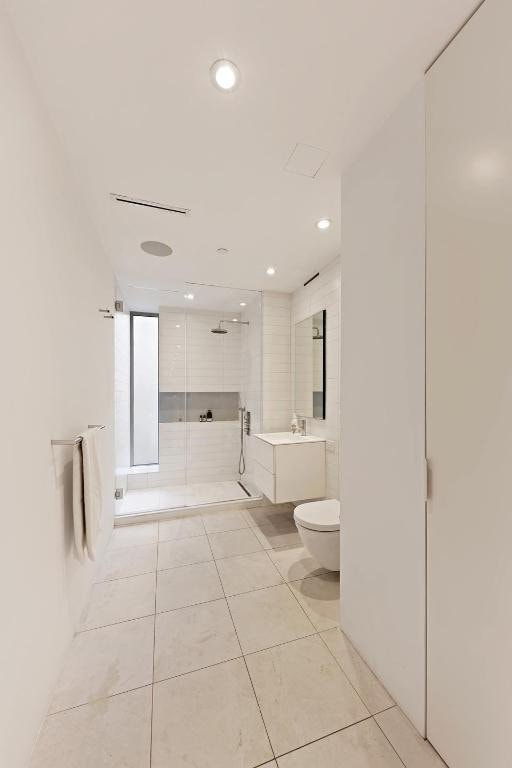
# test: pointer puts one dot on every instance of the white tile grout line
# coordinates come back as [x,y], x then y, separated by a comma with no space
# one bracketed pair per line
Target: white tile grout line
[153,679]
[386,737]
[245,662]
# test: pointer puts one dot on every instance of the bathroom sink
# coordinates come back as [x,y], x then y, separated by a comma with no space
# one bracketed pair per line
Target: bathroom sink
[288,438]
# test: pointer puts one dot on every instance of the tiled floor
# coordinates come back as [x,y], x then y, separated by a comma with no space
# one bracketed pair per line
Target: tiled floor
[213,642]
[176,496]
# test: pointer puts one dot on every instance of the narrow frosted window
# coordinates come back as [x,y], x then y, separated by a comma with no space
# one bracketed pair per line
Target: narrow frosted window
[144,389]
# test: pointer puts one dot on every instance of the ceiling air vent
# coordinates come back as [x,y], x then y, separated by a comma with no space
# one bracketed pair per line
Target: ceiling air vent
[149,204]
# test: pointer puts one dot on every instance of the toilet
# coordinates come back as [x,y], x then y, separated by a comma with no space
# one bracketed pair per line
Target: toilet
[318,524]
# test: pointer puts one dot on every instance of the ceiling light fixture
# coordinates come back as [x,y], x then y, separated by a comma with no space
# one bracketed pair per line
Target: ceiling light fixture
[188,296]
[243,304]
[271,271]
[323,224]
[178,326]
[235,320]
[225,75]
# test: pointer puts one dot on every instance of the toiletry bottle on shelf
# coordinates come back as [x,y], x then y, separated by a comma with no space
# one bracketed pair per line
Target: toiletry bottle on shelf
[209,415]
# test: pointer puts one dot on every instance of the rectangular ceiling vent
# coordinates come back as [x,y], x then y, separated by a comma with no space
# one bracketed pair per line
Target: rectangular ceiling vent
[149,204]
[311,279]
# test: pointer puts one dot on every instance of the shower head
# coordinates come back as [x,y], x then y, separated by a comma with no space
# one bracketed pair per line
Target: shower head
[220,329]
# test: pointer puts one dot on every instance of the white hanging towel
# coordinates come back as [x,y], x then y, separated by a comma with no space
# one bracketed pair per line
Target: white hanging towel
[92,490]
[87,494]
[78,502]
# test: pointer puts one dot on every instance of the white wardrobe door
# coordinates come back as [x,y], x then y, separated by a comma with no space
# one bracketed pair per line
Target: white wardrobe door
[469,393]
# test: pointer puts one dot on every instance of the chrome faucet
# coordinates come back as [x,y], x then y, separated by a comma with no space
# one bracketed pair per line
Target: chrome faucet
[301,425]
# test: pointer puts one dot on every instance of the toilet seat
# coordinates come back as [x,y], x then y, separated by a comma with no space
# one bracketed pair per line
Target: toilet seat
[319,515]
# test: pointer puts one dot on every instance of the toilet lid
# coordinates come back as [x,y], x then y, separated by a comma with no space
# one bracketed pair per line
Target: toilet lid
[319,515]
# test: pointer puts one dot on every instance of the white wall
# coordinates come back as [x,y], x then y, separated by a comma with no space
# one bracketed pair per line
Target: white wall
[382,415]
[324,293]
[57,377]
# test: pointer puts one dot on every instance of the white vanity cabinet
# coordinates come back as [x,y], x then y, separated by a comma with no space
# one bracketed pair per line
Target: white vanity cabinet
[289,467]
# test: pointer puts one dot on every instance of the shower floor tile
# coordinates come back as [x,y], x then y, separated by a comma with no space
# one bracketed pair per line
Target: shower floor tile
[176,496]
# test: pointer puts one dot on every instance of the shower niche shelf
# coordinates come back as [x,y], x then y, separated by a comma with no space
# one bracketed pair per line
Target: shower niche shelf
[188,406]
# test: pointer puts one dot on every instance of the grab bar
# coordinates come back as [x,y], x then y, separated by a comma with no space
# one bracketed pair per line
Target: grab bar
[77,439]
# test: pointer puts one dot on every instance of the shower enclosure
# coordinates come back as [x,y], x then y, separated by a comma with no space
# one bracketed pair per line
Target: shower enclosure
[209,397]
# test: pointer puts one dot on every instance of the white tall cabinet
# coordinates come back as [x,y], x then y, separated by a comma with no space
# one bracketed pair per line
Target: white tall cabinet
[469,393]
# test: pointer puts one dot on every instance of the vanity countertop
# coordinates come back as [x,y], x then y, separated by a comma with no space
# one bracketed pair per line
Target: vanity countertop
[288,438]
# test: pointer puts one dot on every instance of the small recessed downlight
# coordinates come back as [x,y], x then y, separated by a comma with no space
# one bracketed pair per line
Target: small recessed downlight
[225,75]
[323,224]
[271,271]
[188,296]
[156,248]
[235,320]
[243,304]
[178,326]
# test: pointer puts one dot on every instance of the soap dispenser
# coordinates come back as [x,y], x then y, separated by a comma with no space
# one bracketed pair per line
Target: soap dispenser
[294,424]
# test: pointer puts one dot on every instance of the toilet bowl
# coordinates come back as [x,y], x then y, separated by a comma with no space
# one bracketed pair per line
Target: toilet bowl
[318,524]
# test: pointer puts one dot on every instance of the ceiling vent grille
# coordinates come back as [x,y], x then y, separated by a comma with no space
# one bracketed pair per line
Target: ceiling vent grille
[149,204]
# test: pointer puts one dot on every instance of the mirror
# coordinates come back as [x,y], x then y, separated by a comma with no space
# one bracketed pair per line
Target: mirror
[309,371]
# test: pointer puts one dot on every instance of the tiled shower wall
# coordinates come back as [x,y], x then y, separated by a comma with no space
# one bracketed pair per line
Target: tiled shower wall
[194,360]
[325,293]
[252,376]
[277,398]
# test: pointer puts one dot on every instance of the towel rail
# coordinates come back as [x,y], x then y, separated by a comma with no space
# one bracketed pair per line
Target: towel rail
[77,439]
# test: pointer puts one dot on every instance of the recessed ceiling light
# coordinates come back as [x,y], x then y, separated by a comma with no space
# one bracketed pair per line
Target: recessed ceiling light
[243,304]
[271,271]
[224,74]
[222,251]
[178,326]
[235,319]
[156,248]
[323,224]
[188,296]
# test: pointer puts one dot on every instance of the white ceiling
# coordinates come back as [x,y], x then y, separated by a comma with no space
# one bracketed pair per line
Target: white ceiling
[128,87]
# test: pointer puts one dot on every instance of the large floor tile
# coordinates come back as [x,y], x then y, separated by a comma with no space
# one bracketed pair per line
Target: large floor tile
[133,535]
[294,563]
[274,535]
[268,617]
[182,528]
[274,513]
[414,751]
[302,693]
[232,543]
[194,637]
[247,572]
[120,600]
[208,719]
[320,598]
[368,686]
[128,561]
[187,585]
[105,661]
[112,732]
[172,554]
[217,522]
[360,746]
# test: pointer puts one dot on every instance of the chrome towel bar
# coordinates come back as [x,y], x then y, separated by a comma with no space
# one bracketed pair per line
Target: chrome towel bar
[77,439]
